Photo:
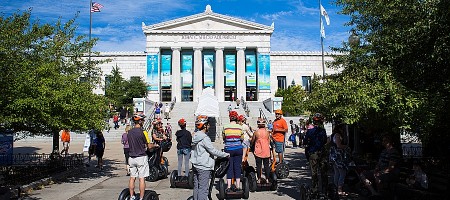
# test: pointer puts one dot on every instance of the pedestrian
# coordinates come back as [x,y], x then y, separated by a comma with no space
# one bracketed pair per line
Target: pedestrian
[184,140]
[315,140]
[278,133]
[158,134]
[123,116]
[126,148]
[65,139]
[116,121]
[91,150]
[138,160]
[230,108]
[167,112]
[168,130]
[247,134]
[233,137]
[238,101]
[339,157]
[261,143]
[157,112]
[99,148]
[201,158]
[160,105]
[293,136]
[270,125]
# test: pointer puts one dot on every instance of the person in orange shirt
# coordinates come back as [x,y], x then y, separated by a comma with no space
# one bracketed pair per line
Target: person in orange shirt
[279,130]
[65,139]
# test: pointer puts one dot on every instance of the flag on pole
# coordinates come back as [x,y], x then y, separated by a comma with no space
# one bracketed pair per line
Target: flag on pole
[96,7]
[322,30]
[324,13]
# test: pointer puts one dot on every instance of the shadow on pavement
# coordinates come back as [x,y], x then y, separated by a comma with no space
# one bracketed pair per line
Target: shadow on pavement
[25,150]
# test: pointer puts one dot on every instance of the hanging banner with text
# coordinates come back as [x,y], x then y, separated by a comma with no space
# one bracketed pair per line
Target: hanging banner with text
[186,71]
[230,67]
[166,65]
[152,72]
[250,70]
[264,71]
[208,70]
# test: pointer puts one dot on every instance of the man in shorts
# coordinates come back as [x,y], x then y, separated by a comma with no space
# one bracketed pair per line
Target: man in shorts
[279,130]
[138,157]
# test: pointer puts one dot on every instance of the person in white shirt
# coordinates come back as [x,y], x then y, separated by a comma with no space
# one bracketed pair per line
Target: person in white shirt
[248,134]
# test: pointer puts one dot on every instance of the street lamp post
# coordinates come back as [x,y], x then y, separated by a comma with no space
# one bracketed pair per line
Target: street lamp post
[354,39]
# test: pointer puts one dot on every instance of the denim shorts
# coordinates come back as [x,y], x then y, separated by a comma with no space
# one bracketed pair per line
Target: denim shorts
[185,151]
[279,147]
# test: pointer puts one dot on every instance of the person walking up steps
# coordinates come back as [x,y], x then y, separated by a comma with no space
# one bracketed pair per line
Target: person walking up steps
[201,158]
[138,157]
[184,140]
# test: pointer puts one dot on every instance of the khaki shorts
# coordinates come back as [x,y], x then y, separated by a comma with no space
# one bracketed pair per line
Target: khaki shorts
[139,166]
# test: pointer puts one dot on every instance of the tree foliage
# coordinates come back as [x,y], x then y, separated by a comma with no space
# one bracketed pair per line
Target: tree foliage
[121,92]
[293,100]
[398,78]
[45,83]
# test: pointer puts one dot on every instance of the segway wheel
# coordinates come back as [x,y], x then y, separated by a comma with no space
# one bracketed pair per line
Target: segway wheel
[303,192]
[125,194]
[221,189]
[150,195]
[191,179]
[245,188]
[164,172]
[153,174]
[282,170]
[173,177]
[252,181]
[274,181]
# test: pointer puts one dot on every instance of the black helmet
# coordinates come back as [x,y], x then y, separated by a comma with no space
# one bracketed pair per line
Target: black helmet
[221,167]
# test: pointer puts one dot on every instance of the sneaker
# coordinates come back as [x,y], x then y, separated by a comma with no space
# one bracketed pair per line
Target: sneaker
[132,198]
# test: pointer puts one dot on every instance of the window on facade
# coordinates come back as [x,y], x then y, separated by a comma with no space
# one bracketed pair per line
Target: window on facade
[281,82]
[306,83]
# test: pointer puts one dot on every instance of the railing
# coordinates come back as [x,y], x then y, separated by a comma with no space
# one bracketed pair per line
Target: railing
[263,116]
[19,169]
[412,152]
[245,107]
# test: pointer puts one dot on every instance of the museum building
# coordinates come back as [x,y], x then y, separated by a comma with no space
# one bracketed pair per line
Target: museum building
[185,55]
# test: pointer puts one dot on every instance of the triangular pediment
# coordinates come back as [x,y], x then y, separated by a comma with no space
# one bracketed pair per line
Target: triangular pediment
[207,22]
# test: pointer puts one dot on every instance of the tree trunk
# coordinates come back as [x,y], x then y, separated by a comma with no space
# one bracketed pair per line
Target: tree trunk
[55,142]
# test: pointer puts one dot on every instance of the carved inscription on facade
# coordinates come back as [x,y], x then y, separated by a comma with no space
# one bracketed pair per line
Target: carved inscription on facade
[209,37]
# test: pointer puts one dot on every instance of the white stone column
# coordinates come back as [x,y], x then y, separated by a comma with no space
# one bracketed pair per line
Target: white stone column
[240,85]
[176,73]
[218,82]
[198,83]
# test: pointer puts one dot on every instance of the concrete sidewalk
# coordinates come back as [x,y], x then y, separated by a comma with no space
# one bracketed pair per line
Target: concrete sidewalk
[108,183]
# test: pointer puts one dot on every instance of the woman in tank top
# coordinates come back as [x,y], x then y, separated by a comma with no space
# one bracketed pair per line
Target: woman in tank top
[261,143]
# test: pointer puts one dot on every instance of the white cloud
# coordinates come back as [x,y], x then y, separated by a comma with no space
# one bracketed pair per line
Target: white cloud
[135,43]
[275,16]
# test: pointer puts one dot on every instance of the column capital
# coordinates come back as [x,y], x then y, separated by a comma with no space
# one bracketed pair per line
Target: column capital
[176,48]
[240,48]
[197,48]
[219,48]
[263,50]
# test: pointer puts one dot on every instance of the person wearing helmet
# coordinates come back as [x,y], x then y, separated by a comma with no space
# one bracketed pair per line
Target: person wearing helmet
[261,141]
[278,132]
[247,134]
[138,160]
[201,158]
[233,136]
[315,140]
[184,140]
[158,134]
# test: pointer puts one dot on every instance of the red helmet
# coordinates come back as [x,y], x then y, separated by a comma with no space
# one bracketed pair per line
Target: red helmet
[241,118]
[201,121]
[182,122]
[233,115]
[317,118]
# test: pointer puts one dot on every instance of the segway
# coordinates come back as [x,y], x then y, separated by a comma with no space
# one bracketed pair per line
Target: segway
[250,172]
[157,163]
[233,193]
[281,168]
[148,195]
[220,169]
[182,181]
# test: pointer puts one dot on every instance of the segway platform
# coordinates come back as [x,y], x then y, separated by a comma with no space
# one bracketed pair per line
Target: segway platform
[148,195]
[181,181]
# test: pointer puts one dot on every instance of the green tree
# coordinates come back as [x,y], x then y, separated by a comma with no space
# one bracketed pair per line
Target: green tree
[135,88]
[121,92]
[42,66]
[293,100]
[398,78]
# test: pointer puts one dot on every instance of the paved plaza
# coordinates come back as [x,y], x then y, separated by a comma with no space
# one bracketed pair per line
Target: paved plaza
[108,183]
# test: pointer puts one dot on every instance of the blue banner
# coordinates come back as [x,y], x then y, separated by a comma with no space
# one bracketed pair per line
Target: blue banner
[264,71]
[250,70]
[166,65]
[208,70]
[186,71]
[230,67]
[152,72]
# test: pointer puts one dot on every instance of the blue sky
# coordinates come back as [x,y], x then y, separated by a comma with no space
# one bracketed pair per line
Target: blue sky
[118,25]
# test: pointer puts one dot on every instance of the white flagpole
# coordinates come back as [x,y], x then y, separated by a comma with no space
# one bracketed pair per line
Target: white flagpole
[90,31]
[321,42]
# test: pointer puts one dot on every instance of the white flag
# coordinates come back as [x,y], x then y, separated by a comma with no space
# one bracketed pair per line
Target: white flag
[324,13]
[322,30]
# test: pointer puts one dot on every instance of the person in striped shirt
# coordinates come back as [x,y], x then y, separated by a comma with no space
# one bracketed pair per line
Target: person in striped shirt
[233,137]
